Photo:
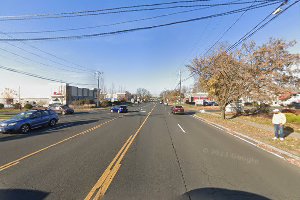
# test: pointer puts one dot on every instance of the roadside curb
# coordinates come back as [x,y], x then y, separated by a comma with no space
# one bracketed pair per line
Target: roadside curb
[291,158]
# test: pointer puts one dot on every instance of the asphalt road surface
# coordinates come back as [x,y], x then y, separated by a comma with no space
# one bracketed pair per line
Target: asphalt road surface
[147,153]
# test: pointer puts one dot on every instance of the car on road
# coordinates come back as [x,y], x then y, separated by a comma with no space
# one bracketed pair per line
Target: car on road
[177,110]
[25,121]
[61,109]
[119,109]
[210,103]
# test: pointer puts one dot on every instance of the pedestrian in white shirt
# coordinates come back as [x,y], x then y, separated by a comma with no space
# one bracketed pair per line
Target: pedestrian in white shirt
[278,120]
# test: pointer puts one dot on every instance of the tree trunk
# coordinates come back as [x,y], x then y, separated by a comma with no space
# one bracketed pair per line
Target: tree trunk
[223,112]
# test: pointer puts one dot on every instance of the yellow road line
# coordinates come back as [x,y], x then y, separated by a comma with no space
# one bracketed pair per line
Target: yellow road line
[10,164]
[109,173]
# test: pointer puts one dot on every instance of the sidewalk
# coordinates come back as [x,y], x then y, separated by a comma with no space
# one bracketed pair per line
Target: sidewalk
[261,126]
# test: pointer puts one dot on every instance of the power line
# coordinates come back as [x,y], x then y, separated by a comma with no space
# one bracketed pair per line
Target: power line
[106,25]
[256,28]
[29,59]
[100,10]
[141,28]
[111,11]
[39,76]
[81,68]
[226,31]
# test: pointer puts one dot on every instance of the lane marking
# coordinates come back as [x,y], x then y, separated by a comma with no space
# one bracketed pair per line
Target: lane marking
[103,183]
[245,140]
[15,162]
[181,128]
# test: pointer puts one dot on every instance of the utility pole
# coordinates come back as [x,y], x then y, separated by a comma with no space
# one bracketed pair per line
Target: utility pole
[180,86]
[20,98]
[98,76]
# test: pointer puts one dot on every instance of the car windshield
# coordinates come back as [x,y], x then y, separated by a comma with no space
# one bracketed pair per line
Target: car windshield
[178,107]
[23,115]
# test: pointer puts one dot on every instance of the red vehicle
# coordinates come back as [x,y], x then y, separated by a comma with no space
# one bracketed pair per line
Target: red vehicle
[177,110]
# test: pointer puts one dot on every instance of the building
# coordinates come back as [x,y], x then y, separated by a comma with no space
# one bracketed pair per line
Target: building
[64,93]
[193,98]
[119,96]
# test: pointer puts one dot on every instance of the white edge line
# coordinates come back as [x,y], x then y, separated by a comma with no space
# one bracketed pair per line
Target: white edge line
[279,156]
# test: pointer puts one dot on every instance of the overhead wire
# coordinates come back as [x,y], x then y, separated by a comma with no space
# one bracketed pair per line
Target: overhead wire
[81,68]
[259,26]
[106,25]
[39,76]
[140,28]
[100,12]
[226,31]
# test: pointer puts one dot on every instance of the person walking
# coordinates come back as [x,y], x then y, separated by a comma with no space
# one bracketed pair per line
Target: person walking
[278,120]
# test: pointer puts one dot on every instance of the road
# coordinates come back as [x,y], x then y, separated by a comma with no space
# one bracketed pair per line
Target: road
[147,153]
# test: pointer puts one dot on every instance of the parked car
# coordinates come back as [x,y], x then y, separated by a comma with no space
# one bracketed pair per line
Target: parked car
[61,109]
[177,110]
[296,105]
[119,109]
[210,103]
[25,121]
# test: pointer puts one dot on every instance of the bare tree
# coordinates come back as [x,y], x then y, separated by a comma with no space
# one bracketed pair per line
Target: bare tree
[256,72]
[143,94]
[9,95]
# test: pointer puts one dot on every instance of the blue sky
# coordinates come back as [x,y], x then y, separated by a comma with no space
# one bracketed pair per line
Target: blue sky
[149,59]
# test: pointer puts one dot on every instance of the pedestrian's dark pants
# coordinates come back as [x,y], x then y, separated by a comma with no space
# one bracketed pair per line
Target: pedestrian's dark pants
[278,130]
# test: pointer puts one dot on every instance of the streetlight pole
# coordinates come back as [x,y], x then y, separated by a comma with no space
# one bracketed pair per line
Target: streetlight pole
[98,75]
[20,106]
[180,86]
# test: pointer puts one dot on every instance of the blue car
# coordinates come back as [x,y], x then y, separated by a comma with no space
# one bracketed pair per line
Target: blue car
[28,120]
[119,109]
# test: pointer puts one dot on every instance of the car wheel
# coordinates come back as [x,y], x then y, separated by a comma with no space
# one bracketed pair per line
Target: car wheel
[52,122]
[25,129]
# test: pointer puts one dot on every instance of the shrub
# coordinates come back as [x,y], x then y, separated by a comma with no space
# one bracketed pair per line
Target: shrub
[28,106]
[89,101]
[292,118]
[248,104]
[105,103]
[1,105]
[78,102]
[264,108]
[17,105]
[289,111]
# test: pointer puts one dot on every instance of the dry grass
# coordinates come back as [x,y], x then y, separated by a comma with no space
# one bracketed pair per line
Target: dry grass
[291,145]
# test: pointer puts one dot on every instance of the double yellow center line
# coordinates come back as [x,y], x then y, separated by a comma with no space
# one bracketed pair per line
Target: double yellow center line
[99,189]
[15,162]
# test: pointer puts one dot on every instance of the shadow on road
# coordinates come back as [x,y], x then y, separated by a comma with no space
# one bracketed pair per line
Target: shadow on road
[22,194]
[223,194]
[48,130]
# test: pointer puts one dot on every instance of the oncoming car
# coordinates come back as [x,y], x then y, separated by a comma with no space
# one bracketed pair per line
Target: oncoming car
[119,109]
[25,121]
